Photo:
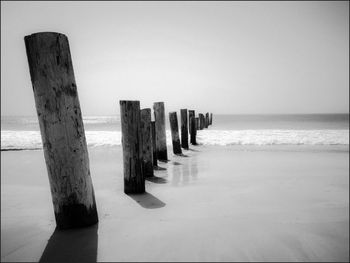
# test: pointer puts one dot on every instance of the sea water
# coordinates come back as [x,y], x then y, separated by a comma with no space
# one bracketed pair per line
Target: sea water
[22,133]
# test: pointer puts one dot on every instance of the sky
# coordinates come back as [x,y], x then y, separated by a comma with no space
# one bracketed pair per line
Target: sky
[222,57]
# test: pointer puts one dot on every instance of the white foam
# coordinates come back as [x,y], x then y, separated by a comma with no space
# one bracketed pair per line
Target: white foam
[273,137]
[20,140]
[32,140]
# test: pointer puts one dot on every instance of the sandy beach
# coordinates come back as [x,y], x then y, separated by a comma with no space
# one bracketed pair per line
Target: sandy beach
[258,89]
[241,203]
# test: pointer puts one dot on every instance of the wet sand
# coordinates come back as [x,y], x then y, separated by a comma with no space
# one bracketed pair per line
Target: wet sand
[237,203]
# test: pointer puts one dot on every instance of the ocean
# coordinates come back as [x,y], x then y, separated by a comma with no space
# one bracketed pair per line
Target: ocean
[22,132]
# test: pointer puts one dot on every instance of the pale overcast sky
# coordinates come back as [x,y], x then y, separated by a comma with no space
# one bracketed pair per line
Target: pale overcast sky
[222,57]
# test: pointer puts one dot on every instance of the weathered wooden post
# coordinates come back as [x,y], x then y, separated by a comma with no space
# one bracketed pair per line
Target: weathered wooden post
[159,116]
[206,120]
[193,131]
[62,129]
[184,129]
[134,179]
[174,127]
[197,123]
[211,118]
[147,149]
[190,114]
[154,147]
[201,121]
[199,118]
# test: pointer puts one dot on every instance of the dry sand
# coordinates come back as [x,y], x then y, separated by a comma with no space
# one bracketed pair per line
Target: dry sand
[237,203]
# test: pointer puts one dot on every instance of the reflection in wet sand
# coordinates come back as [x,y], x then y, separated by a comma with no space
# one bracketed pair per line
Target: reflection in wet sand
[185,173]
[176,174]
[193,164]
[182,174]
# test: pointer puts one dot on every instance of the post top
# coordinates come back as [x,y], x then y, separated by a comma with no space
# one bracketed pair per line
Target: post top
[128,101]
[45,33]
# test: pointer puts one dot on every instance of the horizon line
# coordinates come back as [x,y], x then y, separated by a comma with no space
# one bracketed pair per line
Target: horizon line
[103,115]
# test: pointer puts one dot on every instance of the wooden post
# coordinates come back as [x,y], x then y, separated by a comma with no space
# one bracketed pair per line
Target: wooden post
[211,118]
[190,114]
[174,127]
[159,116]
[134,180]
[154,147]
[62,129]
[197,123]
[206,120]
[147,154]
[201,121]
[184,129]
[193,131]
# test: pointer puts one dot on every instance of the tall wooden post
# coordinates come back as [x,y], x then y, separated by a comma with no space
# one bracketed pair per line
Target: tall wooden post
[193,131]
[147,149]
[197,123]
[211,118]
[174,127]
[154,147]
[159,116]
[62,129]
[134,179]
[184,129]
[201,121]
[206,120]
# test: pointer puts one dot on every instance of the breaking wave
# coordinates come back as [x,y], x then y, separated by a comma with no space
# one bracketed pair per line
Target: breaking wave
[30,140]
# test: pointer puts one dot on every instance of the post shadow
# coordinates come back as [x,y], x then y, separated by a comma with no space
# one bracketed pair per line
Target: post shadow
[176,163]
[181,155]
[193,150]
[164,161]
[72,245]
[147,200]
[158,168]
[157,180]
